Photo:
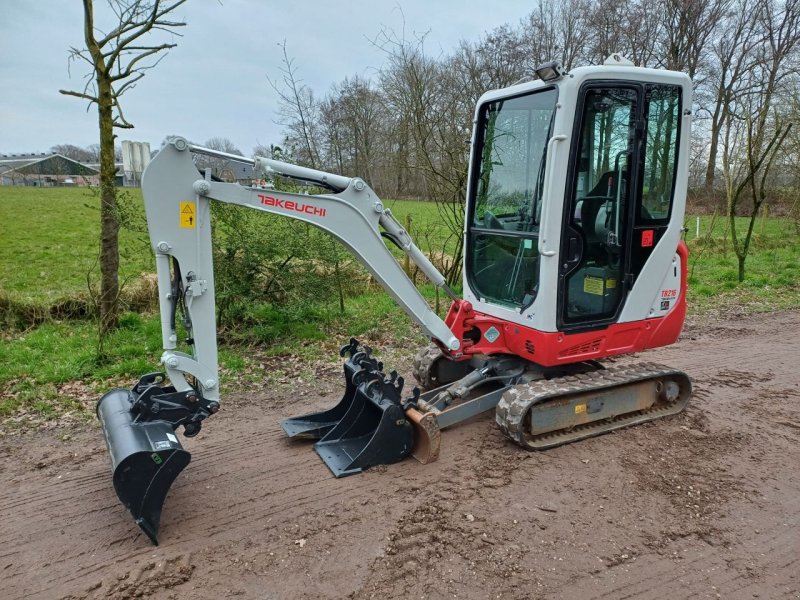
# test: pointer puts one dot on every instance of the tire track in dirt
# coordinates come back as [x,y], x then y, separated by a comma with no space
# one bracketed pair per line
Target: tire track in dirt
[257,516]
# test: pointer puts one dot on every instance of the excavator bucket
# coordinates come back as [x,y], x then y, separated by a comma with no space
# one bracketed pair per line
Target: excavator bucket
[314,426]
[374,431]
[139,428]
[145,459]
[368,427]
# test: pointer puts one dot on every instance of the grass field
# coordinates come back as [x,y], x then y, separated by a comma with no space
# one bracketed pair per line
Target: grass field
[48,249]
[49,240]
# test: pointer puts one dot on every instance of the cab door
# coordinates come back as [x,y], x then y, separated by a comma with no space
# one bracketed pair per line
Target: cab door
[595,249]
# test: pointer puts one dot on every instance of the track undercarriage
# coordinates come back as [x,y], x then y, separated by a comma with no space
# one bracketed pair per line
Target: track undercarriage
[536,407]
[540,408]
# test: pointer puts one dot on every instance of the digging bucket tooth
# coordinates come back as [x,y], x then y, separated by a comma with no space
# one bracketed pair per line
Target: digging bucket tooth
[315,426]
[145,459]
[375,430]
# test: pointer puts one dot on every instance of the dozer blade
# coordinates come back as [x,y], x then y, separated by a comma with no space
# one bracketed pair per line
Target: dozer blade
[374,431]
[145,459]
[427,436]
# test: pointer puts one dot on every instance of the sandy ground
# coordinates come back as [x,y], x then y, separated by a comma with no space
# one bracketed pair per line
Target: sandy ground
[702,505]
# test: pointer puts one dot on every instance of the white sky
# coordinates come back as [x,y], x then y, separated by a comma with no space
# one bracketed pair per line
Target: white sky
[214,84]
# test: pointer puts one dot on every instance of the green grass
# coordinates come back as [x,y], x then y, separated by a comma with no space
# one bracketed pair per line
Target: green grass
[772,277]
[35,364]
[49,239]
[49,242]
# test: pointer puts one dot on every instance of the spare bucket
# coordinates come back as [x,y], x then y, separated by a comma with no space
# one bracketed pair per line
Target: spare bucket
[315,426]
[374,431]
[145,458]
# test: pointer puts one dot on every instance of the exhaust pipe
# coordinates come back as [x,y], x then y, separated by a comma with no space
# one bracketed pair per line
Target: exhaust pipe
[146,457]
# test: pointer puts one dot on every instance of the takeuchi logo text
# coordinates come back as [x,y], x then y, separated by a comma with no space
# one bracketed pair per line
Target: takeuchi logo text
[300,207]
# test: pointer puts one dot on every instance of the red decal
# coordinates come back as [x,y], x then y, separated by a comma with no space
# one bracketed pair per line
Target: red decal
[308,209]
[669,293]
[647,238]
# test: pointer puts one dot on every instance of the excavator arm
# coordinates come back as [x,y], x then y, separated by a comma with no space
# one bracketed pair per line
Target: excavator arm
[178,215]
[138,424]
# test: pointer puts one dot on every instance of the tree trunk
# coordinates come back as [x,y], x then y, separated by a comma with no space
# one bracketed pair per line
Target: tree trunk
[711,166]
[741,267]
[109,226]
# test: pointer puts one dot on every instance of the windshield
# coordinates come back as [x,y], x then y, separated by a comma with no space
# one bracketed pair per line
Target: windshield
[502,257]
[514,144]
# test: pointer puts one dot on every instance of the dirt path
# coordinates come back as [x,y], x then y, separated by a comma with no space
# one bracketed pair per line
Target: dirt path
[703,505]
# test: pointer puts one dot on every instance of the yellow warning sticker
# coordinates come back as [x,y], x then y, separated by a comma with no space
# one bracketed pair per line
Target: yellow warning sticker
[593,285]
[611,284]
[188,215]
[580,408]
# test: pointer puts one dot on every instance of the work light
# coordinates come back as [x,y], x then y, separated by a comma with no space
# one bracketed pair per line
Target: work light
[550,71]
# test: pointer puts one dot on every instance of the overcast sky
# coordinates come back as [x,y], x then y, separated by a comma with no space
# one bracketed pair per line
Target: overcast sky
[214,84]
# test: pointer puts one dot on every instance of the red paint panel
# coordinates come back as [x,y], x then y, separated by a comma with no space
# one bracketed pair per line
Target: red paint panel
[550,349]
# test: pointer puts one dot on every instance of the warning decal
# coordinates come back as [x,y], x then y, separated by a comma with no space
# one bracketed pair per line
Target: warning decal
[188,216]
[594,285]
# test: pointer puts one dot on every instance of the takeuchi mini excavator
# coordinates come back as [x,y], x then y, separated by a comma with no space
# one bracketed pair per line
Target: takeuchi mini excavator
[573,254]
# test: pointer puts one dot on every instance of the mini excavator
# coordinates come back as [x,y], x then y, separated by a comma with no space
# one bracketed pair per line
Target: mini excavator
[573,254]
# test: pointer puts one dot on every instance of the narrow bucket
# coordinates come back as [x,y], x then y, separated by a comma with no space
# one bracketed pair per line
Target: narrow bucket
[315,426]
[145,459]
[374,431]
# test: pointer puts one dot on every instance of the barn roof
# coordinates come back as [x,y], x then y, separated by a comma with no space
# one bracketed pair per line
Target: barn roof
[49,164]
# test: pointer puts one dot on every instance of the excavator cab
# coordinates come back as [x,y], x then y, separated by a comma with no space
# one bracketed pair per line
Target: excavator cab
[573,186]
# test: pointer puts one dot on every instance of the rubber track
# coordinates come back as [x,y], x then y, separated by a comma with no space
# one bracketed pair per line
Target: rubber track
[423,366]
[515,404]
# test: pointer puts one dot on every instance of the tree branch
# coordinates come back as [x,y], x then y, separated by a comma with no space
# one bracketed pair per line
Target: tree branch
[128,84]
[129,69]
[78,95]
[144,27]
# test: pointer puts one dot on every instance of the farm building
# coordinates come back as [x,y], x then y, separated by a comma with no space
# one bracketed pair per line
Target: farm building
[48,170]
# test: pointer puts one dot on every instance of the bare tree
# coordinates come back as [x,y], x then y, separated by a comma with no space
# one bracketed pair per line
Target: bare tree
[501,58]
[220,167]
[94,152]
[732,48]
[118,60]
[422,90]
[687,29]
[757,127]
[558,30]
[73,152]
[352,118]
[299,111]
